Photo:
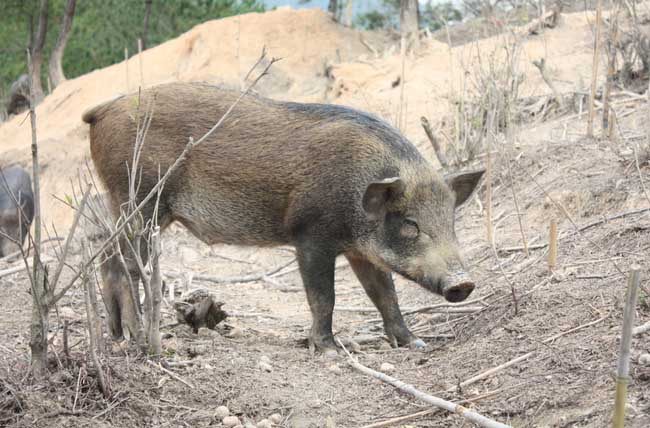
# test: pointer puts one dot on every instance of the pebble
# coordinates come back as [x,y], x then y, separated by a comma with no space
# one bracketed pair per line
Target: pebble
[644,359]
[276,418]
[221,412]
[265,359]
[230,421]
[334,368]
[264,423]
[265,366]
[387,368]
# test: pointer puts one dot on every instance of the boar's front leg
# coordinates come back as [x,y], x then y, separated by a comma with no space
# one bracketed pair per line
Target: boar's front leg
[317,270]
[380,288]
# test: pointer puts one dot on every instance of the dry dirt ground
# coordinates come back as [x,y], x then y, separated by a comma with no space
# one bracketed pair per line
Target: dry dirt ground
[518,305]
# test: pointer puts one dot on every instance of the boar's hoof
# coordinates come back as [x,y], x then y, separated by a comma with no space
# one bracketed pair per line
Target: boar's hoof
[325,345]
[458,292]
[418,345]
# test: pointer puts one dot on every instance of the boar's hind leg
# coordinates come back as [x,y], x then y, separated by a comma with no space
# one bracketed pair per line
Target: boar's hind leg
[122,303]
[317,271]
[381,290]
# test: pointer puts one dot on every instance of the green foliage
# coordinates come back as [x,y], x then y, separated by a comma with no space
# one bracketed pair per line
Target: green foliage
[432,16]
[373,20]
[435,16]
[102,29]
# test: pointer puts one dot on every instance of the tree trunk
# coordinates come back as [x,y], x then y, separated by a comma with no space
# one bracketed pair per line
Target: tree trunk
[332,8]
[145,27]
[36,50]
[408,19]
[56,69]
[155,345]
[347,20]
[38,336]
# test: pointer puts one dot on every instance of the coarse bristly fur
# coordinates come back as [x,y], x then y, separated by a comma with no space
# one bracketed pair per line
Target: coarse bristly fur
[15,220]
[327,179]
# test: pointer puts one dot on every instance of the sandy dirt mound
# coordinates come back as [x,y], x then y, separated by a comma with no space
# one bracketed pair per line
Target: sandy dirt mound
[220,51]
[322,61]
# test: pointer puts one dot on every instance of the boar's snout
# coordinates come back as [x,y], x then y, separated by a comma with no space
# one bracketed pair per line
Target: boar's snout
[458,287]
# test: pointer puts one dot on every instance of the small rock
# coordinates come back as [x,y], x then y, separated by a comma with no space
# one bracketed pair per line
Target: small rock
[276,418]
[221,412]
[265,359]
[206,332]
[265,366]
[235,333]
[250,425]
[334,368]
[387,368]
[558,277]
[230,421]
[644,359]
[264,423]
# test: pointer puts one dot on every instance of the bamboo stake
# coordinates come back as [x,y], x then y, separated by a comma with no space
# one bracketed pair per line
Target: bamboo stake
[552,249]
[611,69]
[140,61]
[488,205]
[594,71]
[626,339]
[430,399]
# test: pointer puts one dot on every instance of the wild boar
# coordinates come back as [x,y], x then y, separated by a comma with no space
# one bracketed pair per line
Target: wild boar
[326,179]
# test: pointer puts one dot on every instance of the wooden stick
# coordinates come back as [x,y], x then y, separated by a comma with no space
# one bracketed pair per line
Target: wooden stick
[552,249]
[391,422]
[170,373]
[626,340]
[434,142]
[521,358]
[434,401]
[594,71]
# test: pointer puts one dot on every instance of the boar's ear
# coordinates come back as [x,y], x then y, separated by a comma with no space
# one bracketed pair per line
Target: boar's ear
[379,193]
[463,184]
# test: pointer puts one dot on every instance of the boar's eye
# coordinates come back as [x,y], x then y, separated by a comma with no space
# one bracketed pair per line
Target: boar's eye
[409,229]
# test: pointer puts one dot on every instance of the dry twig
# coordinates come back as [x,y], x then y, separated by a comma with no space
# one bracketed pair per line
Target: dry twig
[430,399]
[521,358]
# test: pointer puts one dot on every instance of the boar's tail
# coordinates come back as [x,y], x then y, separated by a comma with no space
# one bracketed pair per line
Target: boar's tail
[89,116]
